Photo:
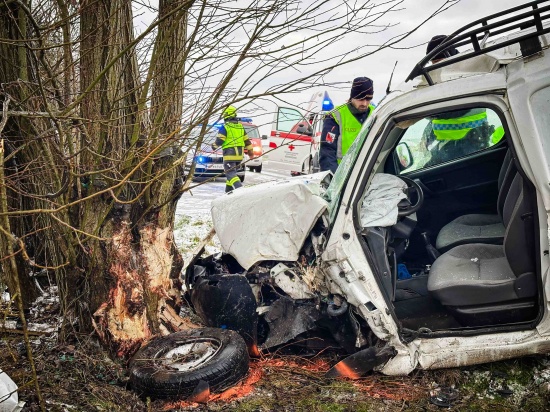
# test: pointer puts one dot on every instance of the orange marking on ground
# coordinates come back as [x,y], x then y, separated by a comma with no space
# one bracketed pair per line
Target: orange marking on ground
[201,397]
[256,372]
[241,389]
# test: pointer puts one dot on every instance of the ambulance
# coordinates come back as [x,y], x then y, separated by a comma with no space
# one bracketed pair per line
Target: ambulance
[295,136]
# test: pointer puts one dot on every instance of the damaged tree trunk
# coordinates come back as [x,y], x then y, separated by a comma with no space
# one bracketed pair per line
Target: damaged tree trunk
[134,266]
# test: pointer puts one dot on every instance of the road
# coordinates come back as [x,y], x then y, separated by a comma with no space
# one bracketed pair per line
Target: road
[196,202]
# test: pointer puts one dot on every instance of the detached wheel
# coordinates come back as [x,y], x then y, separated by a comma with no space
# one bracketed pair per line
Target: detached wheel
[172,366]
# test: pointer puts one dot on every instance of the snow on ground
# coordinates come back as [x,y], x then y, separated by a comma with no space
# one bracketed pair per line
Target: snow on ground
[193,219]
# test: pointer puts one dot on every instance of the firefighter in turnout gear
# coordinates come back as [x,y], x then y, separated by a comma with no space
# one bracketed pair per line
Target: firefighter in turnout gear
[233,140]
[342,125]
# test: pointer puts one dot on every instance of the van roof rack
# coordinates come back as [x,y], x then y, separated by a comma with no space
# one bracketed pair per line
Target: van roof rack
[477,37]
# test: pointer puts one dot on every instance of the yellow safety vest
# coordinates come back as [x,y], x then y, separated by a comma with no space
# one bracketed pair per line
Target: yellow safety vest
[458,128]
[349,128]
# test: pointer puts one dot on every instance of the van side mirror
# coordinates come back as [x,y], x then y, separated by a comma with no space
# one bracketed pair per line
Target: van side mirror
[264,137]
[303,129]
[403,156]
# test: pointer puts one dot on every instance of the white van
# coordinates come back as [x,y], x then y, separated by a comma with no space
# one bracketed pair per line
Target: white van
[359,250]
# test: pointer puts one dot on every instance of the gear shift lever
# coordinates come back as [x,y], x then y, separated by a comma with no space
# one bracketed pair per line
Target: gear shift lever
[433,253]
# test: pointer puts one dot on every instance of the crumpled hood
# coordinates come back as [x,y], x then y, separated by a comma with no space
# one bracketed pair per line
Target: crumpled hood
[270,221]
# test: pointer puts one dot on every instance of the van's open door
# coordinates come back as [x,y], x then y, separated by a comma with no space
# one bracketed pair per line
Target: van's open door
[290,142]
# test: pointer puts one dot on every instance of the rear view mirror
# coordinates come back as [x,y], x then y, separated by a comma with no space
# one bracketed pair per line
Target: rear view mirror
[403,156]
[264,137]
[303,129]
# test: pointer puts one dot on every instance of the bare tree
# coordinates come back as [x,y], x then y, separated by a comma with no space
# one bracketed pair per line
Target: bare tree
[94,130]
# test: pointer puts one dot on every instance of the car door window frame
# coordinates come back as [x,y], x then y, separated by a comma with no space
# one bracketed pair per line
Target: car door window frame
[458,158]
[360,185]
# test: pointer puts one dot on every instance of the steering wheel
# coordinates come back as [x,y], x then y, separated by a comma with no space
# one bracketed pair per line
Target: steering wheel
[407,208]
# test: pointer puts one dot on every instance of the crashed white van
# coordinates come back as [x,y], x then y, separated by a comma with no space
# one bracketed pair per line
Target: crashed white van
[421,251]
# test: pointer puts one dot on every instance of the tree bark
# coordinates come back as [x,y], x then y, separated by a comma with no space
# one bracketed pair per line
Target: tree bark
[14,80]
[133,268]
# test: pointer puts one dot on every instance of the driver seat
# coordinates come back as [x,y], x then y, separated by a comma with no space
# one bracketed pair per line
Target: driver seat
[472,277]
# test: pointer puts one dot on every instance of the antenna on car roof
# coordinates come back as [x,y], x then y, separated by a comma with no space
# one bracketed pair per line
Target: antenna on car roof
[391,77]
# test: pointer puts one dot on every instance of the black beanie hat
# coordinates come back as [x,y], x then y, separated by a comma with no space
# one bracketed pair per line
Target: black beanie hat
[362,88]
[436,41]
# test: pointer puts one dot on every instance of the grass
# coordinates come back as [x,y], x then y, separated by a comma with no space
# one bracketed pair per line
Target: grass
[81,376]
[183,221]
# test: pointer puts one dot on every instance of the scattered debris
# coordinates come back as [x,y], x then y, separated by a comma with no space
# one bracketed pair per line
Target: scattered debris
[9,400]
[444,396]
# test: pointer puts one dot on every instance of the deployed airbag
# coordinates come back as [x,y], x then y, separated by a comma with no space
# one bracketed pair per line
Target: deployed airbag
[379,207]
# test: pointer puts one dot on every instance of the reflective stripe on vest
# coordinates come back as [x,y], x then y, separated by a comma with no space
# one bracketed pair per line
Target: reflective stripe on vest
[349,128]
[234,154]
[458,128]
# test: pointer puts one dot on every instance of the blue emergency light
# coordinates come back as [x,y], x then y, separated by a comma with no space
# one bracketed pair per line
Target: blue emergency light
[245,119]
[201,159]
[327,103]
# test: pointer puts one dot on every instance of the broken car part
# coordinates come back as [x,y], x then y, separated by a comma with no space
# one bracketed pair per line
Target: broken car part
[358,364]
[227,302]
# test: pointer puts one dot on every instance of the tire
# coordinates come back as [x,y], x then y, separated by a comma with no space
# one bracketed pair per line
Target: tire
[251,168]
[258,169]
[220,358]
[241,177]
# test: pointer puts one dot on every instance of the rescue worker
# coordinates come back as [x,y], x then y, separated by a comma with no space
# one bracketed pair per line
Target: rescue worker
[454,134]
[233,140]
[342,125]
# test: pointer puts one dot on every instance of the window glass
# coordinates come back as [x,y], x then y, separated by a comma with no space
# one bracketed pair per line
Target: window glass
[539,105]
[252,132]
[339,181]
[447,136]
[287,119]
[209,137]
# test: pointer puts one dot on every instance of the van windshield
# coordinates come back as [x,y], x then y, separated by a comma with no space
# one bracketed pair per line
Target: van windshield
[340,179]
[252,131]
[210,134]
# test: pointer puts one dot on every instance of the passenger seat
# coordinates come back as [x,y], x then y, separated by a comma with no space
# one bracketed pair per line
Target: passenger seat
[480,228]
[481,274]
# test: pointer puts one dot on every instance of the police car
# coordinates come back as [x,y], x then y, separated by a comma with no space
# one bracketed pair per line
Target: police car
[207,161]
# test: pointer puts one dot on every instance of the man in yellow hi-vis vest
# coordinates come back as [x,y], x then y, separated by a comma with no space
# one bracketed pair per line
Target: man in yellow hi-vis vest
[342,125]
[233,140]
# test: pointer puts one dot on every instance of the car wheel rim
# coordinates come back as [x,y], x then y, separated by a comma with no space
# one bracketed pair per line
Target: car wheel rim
[187,355]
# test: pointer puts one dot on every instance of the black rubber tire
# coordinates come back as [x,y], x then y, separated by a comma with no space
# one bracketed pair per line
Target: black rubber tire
[258,169]
[149,376]
[241,177]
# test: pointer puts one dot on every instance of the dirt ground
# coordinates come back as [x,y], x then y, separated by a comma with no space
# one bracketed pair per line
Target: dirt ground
[79,376]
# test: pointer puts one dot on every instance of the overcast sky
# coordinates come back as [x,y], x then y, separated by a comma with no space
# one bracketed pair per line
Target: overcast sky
[379,66]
